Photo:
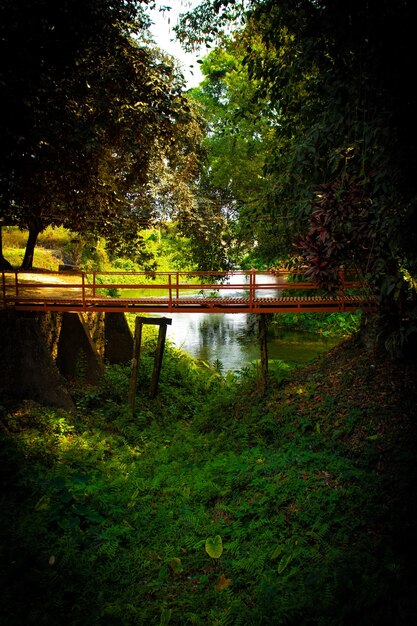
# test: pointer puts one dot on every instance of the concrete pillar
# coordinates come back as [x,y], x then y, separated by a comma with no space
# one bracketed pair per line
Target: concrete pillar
[118,345]
[77,354]
[27,369]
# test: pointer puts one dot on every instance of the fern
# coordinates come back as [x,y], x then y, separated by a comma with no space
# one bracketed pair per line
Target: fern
[192,543]
[109,548]
[125,506]
[233,547]
[193,618]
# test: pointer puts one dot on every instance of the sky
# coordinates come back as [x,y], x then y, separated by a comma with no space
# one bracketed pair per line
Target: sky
[164,36]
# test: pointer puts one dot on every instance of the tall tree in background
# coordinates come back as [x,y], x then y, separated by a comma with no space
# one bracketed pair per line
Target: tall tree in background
[337,76]
[344,161]
[240,142]
[86,106]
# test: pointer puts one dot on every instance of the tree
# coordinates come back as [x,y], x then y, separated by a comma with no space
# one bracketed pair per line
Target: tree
[4,263]
[87,106]
[338,74]
[239,142]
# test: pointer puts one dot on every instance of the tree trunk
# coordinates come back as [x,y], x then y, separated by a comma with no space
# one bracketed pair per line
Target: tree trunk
[4,263]
[27,262]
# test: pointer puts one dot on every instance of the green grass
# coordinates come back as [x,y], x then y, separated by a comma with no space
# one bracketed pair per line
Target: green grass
[165,250]
[50,238]
[105,516]
[43,259]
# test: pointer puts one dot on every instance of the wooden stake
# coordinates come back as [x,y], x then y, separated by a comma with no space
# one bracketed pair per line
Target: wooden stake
[162,322]
[135,364]
[264,349]
[158,360]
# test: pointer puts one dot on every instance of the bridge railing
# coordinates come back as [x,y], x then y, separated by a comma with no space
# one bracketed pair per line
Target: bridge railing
[175,285]
[91,285]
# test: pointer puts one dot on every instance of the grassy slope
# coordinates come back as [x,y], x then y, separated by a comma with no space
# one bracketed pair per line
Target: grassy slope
[311,489]
[167,249]
[48,253]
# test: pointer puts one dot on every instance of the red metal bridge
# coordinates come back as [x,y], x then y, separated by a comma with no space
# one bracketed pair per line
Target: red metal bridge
[279,291]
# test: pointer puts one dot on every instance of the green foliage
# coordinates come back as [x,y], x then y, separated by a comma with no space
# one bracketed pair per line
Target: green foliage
[327,324]
[163,249]
[342,159]
[214,546]
[169,249]
[94,119]
[51,238]
[56,245]
[43,259]
[239,141]
[211,505]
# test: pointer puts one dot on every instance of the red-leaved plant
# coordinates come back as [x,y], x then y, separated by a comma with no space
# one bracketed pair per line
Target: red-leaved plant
[341,231]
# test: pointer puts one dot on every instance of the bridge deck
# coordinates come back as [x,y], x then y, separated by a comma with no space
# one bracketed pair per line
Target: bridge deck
[84,292]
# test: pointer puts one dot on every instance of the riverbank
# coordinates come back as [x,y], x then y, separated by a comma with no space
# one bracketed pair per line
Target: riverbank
[215,504]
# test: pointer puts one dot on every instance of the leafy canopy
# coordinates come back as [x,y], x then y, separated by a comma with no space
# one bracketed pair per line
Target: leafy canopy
[88,109]
[343,162]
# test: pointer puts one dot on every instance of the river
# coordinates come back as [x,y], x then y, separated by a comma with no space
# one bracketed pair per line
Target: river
[230,340]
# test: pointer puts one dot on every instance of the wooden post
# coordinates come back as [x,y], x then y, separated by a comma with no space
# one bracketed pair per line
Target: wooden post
[170,292]
[4,290]
[251,290]
[264,349]
[162,322]
[83,289]
[158,359]
[135,364]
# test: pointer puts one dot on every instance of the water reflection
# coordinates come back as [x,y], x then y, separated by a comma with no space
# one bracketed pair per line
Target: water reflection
[232,338]
[223,329]
[264,280]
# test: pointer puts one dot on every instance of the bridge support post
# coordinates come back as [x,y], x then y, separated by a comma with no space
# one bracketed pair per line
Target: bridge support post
[264,349]
[118,340]
[162,322]
[76,345]
[27,369]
